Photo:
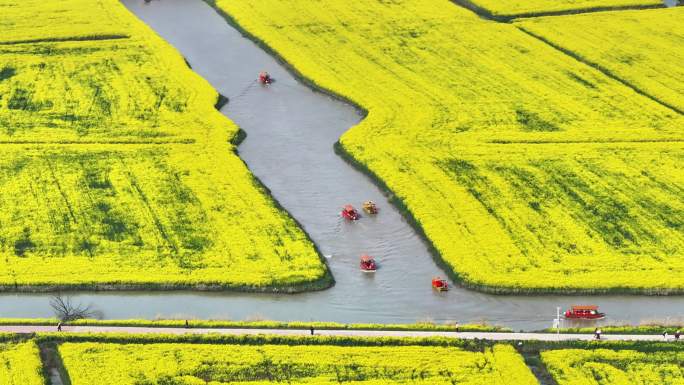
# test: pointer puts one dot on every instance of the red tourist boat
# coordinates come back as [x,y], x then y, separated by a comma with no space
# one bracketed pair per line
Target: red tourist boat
[349,212]
[368,264]
[589,312]
[265,78]
[440,284]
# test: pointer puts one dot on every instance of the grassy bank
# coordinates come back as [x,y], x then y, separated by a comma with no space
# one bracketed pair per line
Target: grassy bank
[208,324]
[641,329]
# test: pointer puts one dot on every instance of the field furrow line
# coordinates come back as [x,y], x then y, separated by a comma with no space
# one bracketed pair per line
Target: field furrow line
[603,70]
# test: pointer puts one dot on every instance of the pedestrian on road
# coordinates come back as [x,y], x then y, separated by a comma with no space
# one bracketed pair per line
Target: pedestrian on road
[678,334]
[456,327]
[312,330]
[59,326]
[665,335]
[187,324]
[597,333]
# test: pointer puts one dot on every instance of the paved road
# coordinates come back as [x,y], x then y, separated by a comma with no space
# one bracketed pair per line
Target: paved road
[343,333]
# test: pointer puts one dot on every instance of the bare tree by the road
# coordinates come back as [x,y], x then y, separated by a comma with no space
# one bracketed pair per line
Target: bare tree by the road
[66,310]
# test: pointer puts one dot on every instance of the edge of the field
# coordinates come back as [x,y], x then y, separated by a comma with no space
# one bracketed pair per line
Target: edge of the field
[226,324]
[508,17]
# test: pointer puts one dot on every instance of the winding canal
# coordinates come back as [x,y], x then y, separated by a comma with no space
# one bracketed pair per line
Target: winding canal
[290,135]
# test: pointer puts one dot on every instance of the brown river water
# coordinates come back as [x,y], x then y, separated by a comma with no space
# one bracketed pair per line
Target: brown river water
[289,146]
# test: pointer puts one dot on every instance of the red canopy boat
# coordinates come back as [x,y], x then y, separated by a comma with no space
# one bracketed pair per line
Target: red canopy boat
[350,213]
[589,312]
[368,264]
[440,284]
[265,78]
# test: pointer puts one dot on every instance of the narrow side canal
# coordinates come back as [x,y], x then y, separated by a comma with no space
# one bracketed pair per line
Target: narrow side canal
[290,135]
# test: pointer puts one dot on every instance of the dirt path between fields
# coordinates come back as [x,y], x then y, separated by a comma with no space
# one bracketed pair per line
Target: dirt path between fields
[493,336]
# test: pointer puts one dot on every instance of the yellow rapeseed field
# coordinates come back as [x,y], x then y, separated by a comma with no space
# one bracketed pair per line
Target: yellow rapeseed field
[96,74]
[194,364]
[115,167]
[514,8]
[40,20]
[527,169]
[645,48]
[614,367]
[20,364]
